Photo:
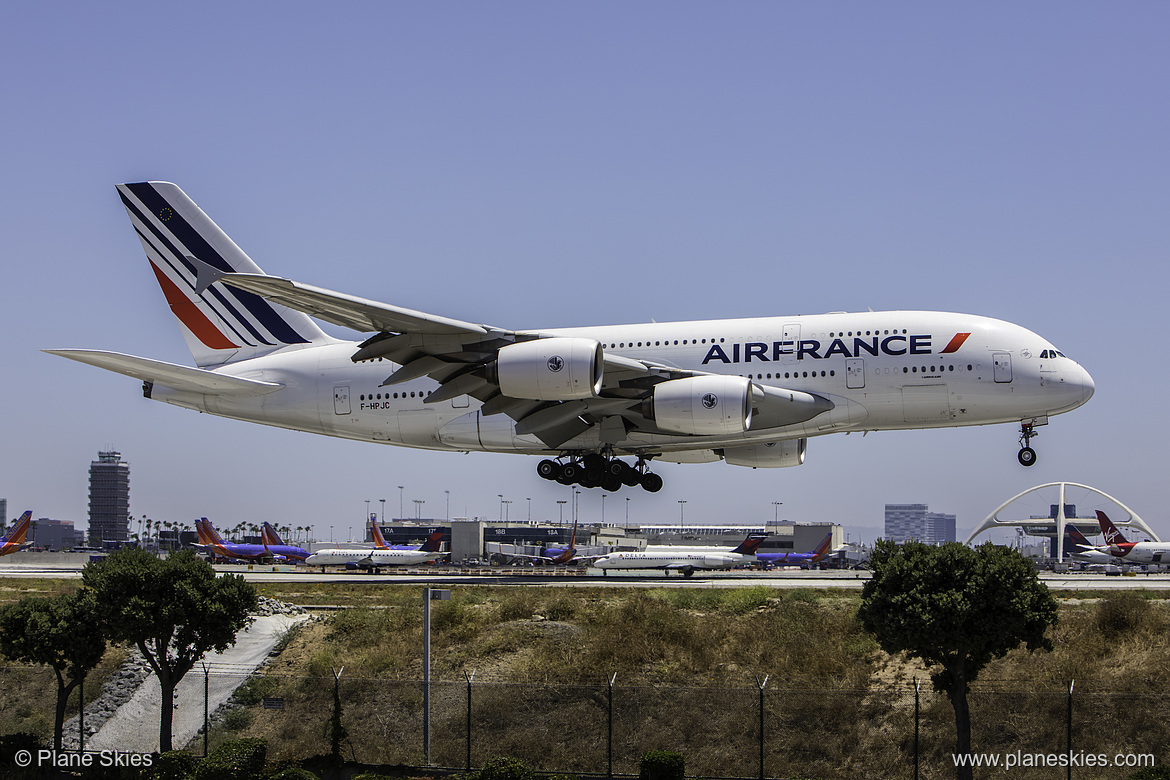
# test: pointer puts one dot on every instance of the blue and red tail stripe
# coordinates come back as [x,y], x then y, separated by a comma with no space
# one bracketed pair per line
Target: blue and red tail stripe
[243,312]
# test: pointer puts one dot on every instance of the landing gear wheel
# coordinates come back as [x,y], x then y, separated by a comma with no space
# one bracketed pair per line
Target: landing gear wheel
[570,473]
[1027,455]
[548,469]
[651,483]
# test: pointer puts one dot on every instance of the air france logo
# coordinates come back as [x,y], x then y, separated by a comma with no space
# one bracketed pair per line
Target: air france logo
[556,363]
[710,401]
[817,350]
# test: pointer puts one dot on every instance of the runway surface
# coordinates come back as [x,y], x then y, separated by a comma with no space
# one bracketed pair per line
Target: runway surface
[568,578]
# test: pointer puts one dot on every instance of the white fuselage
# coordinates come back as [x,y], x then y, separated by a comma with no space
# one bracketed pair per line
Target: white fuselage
[370,557]
[881,370]
[674,559]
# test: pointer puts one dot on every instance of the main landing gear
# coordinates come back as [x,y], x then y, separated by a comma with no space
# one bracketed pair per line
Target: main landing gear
[599,471]
[1027,455]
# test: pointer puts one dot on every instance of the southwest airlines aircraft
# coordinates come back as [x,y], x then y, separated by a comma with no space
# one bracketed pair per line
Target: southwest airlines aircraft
[750,392]
[14,540]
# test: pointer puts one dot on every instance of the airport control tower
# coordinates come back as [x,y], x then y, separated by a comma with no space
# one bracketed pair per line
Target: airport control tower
[109,499]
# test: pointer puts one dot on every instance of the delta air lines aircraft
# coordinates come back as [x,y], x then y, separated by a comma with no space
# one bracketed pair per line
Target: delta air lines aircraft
[600,404]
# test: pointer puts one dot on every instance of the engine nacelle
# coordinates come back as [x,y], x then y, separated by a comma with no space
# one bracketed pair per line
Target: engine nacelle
[770,455]
[703,405]
[554,369]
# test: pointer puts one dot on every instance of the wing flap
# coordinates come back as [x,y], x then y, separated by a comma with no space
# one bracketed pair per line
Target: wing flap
[195,380]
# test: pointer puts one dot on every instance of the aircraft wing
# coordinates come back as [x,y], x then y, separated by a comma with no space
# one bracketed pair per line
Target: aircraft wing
[463,357]
[195,380]
[349,311]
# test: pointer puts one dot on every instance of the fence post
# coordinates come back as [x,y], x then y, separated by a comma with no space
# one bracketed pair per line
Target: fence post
[917,687]
[469,677]
[762,684]
[609,738]
[1068,727]
[206,714]
[81,716]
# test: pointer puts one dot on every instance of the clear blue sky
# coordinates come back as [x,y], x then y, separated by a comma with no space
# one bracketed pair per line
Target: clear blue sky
[561,164]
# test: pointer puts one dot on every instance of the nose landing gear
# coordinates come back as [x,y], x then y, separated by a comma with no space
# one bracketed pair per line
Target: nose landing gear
[1027,455]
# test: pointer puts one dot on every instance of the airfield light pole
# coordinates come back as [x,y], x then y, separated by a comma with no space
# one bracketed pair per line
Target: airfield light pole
[401,511]
[448,492]
[776,510]
[366,519]
[603,509]
[429,595]
[561,509]
[529,500]
[682,512]
[627,511]
[501,497]
[418,508]
[382,519]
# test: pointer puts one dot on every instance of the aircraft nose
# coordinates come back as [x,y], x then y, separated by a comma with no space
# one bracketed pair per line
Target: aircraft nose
[1088,387]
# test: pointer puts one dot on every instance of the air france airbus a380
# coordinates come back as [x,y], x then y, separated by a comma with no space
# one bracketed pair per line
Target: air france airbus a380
[750,392]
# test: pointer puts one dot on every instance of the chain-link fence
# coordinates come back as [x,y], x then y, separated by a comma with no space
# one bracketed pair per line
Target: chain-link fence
[761,730]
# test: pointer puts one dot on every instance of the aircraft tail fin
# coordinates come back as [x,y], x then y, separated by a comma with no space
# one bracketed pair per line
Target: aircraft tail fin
[269,536]
[433,542]
[376,534]
[201,532]
[189,253]
[1077,537]
[822,548]
[212,534]
[19,531]
[749,545]
[1113,536]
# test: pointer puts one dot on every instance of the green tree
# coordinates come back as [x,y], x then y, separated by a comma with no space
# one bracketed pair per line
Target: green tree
[61,632]
[956,608]
[172,609]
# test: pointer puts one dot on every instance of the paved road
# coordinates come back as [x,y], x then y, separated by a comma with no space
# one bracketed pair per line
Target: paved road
[564,577]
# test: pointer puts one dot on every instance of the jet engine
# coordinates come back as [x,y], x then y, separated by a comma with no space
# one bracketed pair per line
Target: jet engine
[553,369]
[769,455]
[702,405]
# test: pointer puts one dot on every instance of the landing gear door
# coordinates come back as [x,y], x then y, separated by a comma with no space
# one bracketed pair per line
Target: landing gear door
[341,400]
[855,373]
[1003,366]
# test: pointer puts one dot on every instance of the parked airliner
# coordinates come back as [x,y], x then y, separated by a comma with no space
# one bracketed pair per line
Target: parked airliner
[373,558]
[212,543]
[750,392]
[683,558]
[815,555]
[1124,551]
[14,540]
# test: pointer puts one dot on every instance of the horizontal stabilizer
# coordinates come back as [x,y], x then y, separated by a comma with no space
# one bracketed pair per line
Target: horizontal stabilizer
[194,380]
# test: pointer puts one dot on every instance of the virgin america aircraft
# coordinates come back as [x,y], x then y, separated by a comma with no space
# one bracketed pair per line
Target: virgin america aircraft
[749,392]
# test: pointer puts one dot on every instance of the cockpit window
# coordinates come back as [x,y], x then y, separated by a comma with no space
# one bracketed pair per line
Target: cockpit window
[1051,353]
